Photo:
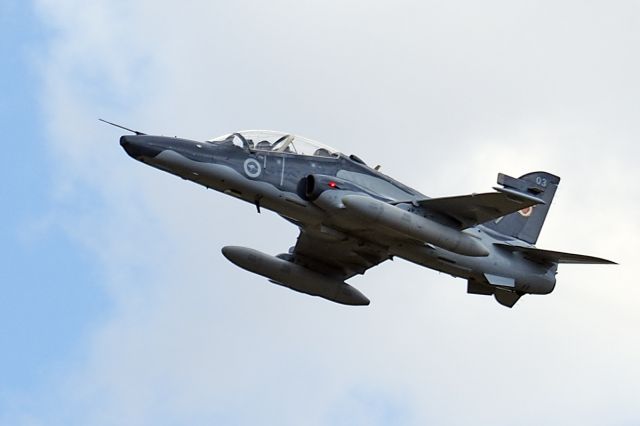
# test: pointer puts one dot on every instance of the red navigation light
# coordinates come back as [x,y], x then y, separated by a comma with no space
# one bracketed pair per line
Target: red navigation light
[332,184]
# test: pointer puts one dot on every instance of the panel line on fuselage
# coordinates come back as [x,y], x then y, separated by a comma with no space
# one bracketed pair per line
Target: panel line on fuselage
[282,173]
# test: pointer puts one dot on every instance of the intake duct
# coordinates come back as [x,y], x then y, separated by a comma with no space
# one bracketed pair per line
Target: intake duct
[311,186]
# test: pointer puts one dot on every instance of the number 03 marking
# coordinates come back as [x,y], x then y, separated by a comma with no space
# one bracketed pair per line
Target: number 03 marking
[541,181]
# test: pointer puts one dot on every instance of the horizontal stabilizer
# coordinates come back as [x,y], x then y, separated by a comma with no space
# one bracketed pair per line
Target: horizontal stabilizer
[474,209]
[548,256]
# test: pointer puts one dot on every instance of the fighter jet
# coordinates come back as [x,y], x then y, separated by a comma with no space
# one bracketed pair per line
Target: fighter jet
[352,217]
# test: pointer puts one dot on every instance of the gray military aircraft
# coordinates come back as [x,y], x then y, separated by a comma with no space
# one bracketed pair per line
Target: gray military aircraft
[352,217]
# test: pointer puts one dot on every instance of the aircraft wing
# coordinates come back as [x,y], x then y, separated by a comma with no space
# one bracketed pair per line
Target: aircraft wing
[474,209]
[338,257]
[548,256]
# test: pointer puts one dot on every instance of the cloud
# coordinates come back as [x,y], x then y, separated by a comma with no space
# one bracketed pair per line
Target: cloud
[442,95]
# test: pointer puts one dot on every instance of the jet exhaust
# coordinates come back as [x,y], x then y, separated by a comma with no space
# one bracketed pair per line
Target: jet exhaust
[414,226]
[293,276]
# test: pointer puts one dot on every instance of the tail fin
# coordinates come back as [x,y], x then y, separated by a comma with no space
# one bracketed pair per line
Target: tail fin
[526,224]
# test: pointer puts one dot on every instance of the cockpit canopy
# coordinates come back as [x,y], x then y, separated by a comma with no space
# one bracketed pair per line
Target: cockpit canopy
[268,140]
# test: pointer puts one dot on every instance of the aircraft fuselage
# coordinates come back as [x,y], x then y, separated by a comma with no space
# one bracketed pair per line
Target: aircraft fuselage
[279,181]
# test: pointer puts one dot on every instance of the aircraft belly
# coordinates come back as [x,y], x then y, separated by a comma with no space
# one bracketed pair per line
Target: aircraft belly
[432,258]
[496,269]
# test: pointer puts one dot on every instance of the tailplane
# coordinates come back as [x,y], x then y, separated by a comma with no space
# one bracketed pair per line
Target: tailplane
[526,224]
[551,257]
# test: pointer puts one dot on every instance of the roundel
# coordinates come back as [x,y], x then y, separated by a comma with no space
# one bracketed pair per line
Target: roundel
[526,212]
[252,168]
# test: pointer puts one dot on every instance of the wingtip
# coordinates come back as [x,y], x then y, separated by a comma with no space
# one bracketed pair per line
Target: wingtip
[601,261]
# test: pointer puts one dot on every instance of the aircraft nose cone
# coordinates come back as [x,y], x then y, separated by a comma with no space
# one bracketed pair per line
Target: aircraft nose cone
[138,146]
[124,141]
[127,143]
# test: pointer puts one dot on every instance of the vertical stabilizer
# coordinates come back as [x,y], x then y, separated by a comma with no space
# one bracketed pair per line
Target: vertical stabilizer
[526,224]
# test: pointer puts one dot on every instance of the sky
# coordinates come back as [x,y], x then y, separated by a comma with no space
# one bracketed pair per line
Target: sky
[117,306]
